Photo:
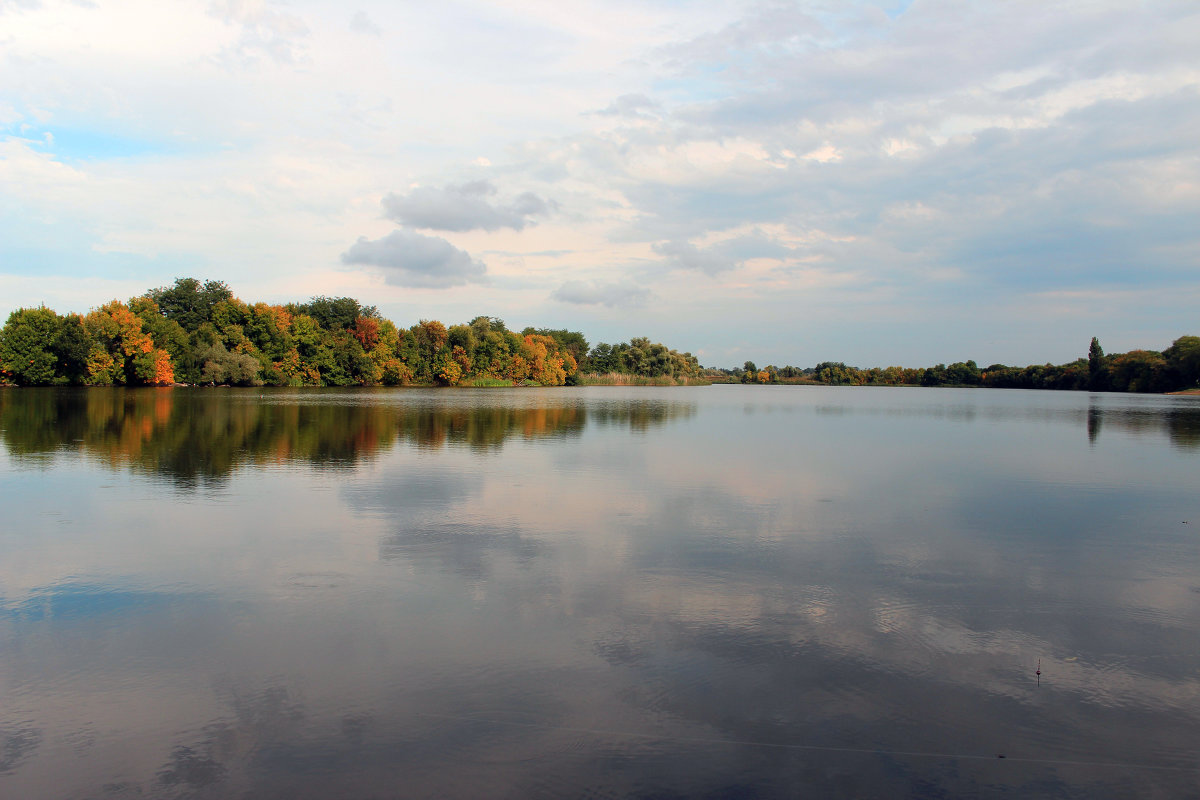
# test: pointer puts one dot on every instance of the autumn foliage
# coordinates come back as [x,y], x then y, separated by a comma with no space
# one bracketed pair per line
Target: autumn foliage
[199,333]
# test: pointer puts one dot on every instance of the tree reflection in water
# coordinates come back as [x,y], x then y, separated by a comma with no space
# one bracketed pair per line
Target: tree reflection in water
[196,436]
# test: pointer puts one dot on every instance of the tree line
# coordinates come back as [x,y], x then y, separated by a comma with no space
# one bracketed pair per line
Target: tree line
[198,333]
[1175,369]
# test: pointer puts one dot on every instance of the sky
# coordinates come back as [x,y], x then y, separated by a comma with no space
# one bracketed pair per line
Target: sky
[880,183]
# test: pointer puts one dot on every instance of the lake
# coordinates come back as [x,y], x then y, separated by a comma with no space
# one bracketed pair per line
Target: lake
[715,592]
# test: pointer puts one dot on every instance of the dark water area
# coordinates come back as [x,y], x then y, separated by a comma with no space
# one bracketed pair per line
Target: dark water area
[709,592]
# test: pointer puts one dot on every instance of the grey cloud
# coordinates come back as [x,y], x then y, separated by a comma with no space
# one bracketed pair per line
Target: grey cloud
[418,261]
[983,152]
[463,207]
[785,68]
[586,293]
[724,255]
[754,245]
[688,256]
[361,23]
[768,29]
[1018,207]
[632,105]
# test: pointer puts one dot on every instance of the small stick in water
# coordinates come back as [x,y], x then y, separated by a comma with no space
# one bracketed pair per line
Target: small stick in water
[1039,672]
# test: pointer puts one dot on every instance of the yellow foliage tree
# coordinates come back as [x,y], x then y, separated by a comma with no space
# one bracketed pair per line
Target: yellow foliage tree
[121,351]
[548,365]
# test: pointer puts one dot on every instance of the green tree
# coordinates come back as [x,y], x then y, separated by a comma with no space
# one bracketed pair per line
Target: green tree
[315,357]
[169,335]
[335,313]
[1183,357]
[71,349]
[834,373]
[603,358]
[26,346]
[1139,371]
[429,338]
[934,376]
[462,336]
[1097,376]
[222,366]
[963,373]
[190,302]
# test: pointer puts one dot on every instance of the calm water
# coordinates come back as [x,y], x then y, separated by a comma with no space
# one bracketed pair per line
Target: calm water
[709,592]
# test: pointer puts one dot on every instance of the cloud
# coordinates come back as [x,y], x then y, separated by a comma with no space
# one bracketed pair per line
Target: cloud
[687,256]
[463,207]
[932,171]
[416,261]
[361,23]
[265,31]
[592,293]
[638,106]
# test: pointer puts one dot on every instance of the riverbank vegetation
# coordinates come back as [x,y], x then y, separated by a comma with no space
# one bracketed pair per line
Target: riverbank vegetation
[199,333]
[1175,369]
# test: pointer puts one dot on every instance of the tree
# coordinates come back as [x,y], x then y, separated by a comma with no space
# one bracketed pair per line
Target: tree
[1139,371]
[934,376]
[71,347]
[462,336]
[429,339]
[571,341]
[963,373]
[1183,357]
[121,351]
[603,358]
[169,335]
[335,313]
[1097,378]
[834,373]
[548,365]
[189,302]
[222,366]
[26,346]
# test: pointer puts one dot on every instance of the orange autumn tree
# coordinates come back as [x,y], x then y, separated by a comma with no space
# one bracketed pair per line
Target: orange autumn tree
[121,351]
[549,364]
[366,330]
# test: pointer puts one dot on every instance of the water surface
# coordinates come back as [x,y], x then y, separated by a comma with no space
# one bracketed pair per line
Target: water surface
[717,591]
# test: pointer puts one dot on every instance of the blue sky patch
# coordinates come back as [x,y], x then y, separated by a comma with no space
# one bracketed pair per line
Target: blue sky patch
[81,144]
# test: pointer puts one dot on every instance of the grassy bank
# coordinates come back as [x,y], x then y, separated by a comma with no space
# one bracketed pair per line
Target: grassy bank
[622,379]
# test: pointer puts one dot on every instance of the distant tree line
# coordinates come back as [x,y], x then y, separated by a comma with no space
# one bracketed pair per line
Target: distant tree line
[1174,369]
[199,333]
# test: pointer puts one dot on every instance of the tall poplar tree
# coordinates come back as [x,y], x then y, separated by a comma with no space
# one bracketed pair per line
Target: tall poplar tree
[1096,375]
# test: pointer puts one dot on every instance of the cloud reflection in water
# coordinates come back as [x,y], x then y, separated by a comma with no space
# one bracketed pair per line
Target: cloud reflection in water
[735,594]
